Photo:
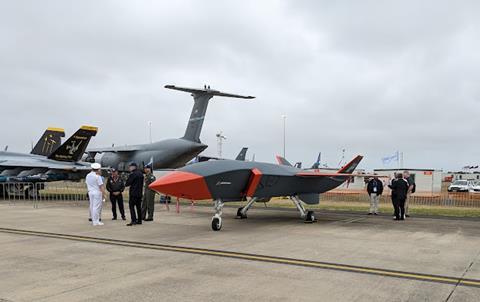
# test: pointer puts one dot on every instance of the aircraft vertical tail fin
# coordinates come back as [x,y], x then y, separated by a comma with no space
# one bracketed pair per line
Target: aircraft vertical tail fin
[316,164]
[283,161]
[73,149]
[49,142]
[351,166]
[201,98]
[243,153]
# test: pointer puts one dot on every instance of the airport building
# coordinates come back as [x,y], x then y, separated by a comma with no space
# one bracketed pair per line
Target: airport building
[452,176]
[426,180]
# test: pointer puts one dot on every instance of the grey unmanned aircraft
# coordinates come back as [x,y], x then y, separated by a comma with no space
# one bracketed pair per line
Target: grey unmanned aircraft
[230,180]
[48,161]
[169,153]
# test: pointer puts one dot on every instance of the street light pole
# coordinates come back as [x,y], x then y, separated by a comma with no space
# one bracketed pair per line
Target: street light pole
[284,133]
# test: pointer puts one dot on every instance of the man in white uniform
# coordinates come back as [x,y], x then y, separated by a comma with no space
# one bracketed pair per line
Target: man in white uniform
[95,193]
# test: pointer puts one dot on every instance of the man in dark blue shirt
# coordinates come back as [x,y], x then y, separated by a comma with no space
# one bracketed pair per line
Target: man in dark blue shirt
[135,182]
[374,189]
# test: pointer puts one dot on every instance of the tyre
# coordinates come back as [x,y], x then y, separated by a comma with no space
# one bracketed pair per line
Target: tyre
[216,223]
[240,215]
[310,217]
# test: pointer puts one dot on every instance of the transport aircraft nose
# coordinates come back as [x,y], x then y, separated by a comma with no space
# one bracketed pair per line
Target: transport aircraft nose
[182,184]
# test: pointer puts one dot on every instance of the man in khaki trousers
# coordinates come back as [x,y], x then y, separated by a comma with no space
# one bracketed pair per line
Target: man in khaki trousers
[374,189]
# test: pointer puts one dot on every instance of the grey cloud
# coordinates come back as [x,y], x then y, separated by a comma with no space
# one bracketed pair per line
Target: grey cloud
[372,76]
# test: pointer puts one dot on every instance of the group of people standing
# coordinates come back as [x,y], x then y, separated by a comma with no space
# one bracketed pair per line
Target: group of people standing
[141,201]
[402,186]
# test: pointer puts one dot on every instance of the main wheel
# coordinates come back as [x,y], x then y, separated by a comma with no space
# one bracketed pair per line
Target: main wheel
[216,223]
[240,215]
[310,217]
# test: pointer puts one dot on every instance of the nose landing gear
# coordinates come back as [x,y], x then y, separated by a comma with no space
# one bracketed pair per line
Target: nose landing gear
[217,218]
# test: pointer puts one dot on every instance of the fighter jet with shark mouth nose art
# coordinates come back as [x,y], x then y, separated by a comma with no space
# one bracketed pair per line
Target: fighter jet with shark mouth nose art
[230,180]
[169,153]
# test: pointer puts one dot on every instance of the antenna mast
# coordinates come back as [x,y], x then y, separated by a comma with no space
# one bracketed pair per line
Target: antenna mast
[342,160]
[220,139]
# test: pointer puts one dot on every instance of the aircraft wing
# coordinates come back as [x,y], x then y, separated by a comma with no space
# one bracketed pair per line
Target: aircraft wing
[114,149]
[34,164]
[321,174]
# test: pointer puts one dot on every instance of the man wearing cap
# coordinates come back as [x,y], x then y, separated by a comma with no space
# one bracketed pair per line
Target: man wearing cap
[135,182]
[115,187]
[96,193]
[148,203]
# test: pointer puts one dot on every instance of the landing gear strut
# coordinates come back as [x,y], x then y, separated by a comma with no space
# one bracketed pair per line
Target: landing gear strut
[242,212]
[217,218]
[308,216]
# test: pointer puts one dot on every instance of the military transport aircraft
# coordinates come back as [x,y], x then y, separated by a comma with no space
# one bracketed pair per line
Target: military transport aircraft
[230,180]
[169,153]
[48,162]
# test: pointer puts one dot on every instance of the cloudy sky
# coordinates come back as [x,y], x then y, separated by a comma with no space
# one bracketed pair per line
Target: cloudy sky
[370,77]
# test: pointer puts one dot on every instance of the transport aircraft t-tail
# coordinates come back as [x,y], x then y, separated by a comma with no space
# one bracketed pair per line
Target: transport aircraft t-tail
[169,153]
[230,180]
[49,142]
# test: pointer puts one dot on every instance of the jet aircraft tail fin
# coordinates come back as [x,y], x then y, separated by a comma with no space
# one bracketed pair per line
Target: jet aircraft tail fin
[283,161]
[243,153]
[201,98]
[345,172]
[49,142]
[72,150]
[316,164]
[351,166]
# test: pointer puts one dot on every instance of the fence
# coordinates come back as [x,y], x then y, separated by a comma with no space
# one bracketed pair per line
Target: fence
[464,199]
[72,192]
[76,192]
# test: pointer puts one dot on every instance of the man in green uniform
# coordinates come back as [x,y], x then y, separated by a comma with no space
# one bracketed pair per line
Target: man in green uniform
[148,202]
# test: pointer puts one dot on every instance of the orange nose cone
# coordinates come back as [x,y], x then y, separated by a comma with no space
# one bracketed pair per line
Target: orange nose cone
[182,184]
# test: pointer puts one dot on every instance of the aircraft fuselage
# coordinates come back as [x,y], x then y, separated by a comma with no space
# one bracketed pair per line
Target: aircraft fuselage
[170,153]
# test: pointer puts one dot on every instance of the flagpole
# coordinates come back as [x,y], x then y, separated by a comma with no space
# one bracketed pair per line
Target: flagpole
[398,160]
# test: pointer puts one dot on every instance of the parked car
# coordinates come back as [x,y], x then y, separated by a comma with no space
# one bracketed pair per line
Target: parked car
[461,186]
[475,187]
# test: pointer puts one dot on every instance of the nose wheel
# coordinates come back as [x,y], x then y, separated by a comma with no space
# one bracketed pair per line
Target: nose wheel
[217,218]
[216,223]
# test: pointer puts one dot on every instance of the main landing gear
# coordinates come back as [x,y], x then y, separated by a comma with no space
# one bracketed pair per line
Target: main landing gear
[242,212]
[217,218]
[308,216]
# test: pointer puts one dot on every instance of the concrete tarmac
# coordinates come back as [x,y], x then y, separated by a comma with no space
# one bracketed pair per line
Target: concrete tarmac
[36,268]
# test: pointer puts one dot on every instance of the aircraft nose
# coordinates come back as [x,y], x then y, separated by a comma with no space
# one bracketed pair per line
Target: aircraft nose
[182,184]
